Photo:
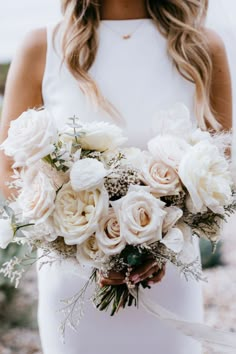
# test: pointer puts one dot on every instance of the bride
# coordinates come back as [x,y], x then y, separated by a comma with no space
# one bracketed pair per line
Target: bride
[121,60]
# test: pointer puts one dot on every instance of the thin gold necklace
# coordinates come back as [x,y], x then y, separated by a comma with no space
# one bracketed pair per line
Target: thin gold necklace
[124,36]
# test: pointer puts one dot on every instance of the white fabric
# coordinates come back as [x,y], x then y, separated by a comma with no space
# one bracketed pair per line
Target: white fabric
[137,76]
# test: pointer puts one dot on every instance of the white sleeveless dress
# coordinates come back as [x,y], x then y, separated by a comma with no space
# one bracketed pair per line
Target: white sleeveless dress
[137,76]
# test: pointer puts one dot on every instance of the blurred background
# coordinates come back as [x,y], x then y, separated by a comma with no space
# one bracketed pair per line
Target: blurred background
[18,308]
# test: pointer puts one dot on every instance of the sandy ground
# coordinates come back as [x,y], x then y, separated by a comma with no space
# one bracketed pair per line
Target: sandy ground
[219,294]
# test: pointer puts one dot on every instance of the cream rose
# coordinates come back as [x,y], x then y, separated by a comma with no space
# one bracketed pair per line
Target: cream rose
[87,173]
[162,179]
[6,233]
[30,137]
[168,149]
[43,232]
[89,253]
[140,216]
[108,235]
[36,199]
[205,174]
[77,214]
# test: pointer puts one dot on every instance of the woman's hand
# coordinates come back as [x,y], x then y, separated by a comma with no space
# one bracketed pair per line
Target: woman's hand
[148,271]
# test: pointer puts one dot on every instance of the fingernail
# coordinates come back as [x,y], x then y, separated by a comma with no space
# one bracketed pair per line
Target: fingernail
[151,282]
[135,278]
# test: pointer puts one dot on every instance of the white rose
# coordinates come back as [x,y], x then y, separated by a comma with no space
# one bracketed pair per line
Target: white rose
[132,157]
[77,214]
[175,121]
[89,253]
[30,137]
[100,136]
[87,173]
[173,214]
[199,135]
[162,179]
[168,149]
[140,216]
[6,233]
[36,199]
[108,235]
[205,174]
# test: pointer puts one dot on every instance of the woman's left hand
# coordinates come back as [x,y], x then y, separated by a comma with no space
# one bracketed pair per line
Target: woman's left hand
[150,272]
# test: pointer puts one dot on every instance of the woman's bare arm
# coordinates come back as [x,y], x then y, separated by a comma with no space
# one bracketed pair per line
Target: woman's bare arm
[221,90]
[23,90]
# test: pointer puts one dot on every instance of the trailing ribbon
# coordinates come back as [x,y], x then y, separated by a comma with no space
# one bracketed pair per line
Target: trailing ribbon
[215,340]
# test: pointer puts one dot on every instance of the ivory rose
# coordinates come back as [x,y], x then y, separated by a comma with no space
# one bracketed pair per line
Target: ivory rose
[162,178]
[30,137]
[77,214]
[108,235]
[36,199]
[140,216]
[89,253]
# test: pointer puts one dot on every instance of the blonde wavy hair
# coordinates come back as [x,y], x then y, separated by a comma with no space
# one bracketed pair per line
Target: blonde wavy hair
[180,21]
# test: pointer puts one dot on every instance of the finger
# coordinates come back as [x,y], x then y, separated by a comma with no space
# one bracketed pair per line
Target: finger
[115,275]
[158,277]
[149,273]
[107,281]
[140,271]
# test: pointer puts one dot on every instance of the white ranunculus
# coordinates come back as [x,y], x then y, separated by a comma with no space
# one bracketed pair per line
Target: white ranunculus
[77,214]
[199,135]
[173,214]
[174,121]
[36,199]
[87,173]
[174,240]
[162,179]
[205,174]
[30,137]
[140,216]
[6,233]
[100,136]
[108,235]
[168,149]
[89,254]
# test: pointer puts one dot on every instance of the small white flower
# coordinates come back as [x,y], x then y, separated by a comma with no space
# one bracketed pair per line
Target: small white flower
[6,233]
[174,240]
[30,137]
[140,216]
[205,174]
[77,214]
[162,179]
[87,173]
[108,235]
[36,199]
[173,214]
[168,149]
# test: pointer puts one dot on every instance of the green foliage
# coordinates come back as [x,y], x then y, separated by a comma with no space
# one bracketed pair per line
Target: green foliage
[3,75]
[209,259]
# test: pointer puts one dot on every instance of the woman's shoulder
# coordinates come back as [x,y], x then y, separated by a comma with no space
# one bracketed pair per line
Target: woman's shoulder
[215,41]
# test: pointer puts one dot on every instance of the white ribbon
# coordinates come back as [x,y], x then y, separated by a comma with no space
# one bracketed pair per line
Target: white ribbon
[215,340]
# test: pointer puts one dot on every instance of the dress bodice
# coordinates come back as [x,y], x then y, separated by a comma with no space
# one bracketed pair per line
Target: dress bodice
[136,75]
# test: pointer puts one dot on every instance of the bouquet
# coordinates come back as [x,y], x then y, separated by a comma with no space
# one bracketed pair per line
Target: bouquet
[83,196]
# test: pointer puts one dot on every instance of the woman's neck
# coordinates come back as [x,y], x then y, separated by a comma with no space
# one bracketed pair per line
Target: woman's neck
[123,9]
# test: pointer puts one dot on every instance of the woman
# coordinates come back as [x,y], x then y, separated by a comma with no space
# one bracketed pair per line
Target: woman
[124,60]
